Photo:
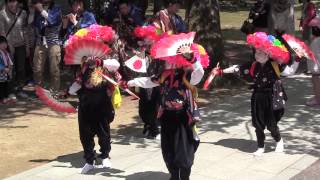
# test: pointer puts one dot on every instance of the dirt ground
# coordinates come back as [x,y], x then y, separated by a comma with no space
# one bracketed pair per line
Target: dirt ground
[31,134]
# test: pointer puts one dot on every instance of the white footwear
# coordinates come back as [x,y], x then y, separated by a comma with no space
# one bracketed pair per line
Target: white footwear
[279,146]
[106,163]
[158,137]
[86,168]
[259,152]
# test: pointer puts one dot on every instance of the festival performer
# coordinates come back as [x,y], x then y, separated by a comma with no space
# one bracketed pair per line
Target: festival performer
[166,22]
[177,112]
[268,97]
[97,85]
[96,110]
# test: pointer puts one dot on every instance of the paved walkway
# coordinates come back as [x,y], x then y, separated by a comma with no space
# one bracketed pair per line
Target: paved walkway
[227,139]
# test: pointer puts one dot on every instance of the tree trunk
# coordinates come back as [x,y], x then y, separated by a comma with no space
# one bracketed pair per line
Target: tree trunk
[204,18]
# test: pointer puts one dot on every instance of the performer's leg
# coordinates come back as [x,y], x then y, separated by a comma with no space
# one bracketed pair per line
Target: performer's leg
[104,140]
[258,121]
[167,143]
[184,173]
[103,129]
[272,126]
[86,137]
[274,129]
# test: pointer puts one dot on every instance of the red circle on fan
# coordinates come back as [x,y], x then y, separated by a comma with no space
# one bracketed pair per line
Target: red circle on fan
[137,64]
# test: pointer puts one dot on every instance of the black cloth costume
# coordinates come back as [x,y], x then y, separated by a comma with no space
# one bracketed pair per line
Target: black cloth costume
[263,111]
[95,114]
[177,142]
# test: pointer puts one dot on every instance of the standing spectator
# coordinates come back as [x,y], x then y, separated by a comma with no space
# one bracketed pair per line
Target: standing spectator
[78,18]
[157,6]
[130,13]
[281,16]
[143,5]
[129,17]
[168,20]
[314,67]
[13,26]
[259,16]
[110,11]
[307,14]
[5,70]
[47,22]
[30,31]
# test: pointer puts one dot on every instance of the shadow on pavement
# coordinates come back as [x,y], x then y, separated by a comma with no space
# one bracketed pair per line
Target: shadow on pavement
[148,176]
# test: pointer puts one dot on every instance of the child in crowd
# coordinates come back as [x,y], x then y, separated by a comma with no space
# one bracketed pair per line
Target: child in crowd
[5,70]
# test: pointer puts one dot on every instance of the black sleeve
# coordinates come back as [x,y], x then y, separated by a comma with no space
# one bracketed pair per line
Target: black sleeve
[245,69]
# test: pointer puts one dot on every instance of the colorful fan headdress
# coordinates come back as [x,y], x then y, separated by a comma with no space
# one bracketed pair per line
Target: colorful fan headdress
[270,45]
[170,47]
[149,33]
[91,41]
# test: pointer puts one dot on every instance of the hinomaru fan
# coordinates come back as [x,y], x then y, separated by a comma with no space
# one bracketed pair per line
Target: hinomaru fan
[172,45]
[75,51]
[46,97]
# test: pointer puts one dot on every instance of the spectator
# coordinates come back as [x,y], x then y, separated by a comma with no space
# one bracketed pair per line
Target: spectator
[168,20]
[78,18]
[30,31]
[259,16]
[129,17]
[281,16]
[143,5]
[307,14]
[111,9]
[5,69]
[47,23]
[13,26]
[130,14]
[315,69]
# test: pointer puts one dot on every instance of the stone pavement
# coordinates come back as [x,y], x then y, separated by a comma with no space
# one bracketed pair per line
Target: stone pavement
[227,141]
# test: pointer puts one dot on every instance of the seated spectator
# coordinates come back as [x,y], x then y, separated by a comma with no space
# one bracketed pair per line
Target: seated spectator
[12,26]
[47,23]
[78,18]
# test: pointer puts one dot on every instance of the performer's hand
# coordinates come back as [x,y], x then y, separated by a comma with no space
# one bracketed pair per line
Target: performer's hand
[217,71]
[189,57]
[123,84]
[98,62]
[72,18]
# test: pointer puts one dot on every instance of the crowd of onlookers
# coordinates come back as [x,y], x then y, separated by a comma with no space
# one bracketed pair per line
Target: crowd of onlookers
[33,33]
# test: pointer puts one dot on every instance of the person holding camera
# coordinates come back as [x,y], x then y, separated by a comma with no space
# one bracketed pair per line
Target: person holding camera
[48,19]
